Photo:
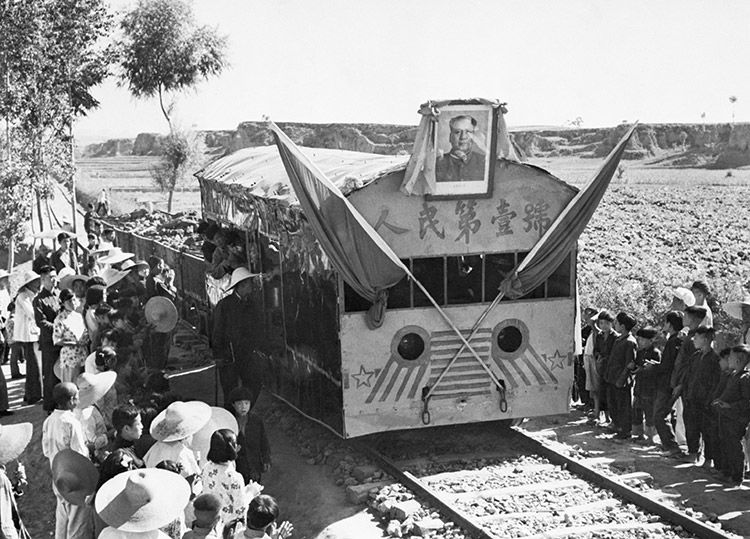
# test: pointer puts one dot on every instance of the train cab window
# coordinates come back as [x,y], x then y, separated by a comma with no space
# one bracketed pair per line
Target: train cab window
[353,302]
[399,296]
[464,279]
[539,291]
[558,284]
[496,268]
[431,273]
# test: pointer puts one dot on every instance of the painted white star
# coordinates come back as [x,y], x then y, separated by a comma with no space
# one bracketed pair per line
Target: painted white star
[556,361]
[363,377]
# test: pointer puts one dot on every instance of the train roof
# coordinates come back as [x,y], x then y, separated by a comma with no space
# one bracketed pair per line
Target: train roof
[259,172]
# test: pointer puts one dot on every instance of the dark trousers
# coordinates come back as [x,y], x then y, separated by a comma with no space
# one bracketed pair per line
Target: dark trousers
[244,372]
[4,404]
[662,417]
[156,348]
[619,404]
[579,385]
[731,432]
[713,441]
[696,428]
[49,380]
[33,386]
[16,355]
[643,411]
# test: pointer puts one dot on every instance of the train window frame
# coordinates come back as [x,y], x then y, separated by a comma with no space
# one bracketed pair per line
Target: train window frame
[517,257]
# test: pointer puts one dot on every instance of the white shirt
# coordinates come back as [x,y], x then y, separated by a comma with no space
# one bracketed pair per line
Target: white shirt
[708,320]
[92,425]
[62,430]
[174,451]
[4,302]
[24,325]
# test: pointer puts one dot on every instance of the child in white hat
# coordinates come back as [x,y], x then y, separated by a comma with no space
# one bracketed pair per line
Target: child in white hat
[173,430]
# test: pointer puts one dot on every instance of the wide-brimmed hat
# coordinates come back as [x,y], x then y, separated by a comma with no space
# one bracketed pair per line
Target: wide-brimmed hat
[13,440]
[57,369]
[115,256]
[239,275]
[75,477]
[4,274]
[161,313]
[112,276]
[129,265]
[734,308]
[66,281]
[180,420]
[113,533]
[92,387]
[142,500]
[28,278]
[685,295]
[220,419]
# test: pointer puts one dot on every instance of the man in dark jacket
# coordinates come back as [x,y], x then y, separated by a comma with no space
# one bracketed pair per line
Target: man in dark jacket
[46,308]
[235,337]
[734,414]
[621,359]
[700,380]
[663,400]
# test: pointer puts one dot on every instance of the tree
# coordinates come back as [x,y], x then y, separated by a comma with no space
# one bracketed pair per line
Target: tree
[733,100]
[182,152]
[164,51]
[51,54]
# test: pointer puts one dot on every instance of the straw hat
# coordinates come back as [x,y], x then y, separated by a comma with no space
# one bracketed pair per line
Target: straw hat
[115,256]
[734,308]
[4,274]
[92,387]
[66,281]
[13,440]
[112,276]
[75,477]
[220,419]
[161,313]
[28,278]
[685,295]
[113,533]
[142,500]
[57,369]
[129,265]
[180,420]
[239,275]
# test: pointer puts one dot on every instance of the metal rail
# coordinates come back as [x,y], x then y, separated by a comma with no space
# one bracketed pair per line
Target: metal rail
[589,474]
[695,526]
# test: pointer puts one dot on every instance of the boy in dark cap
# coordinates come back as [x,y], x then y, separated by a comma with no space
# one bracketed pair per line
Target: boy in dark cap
[701,378]
[254,456]
[734,413]
[620,359]
[663,396]
[701,292]
[603,342]
[647,358]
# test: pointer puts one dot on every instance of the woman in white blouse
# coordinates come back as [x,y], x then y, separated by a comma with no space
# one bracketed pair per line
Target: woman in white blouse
[70,334]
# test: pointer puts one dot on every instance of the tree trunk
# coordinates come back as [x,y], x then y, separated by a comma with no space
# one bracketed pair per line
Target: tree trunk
[163,110]
[11,254]
[169,200]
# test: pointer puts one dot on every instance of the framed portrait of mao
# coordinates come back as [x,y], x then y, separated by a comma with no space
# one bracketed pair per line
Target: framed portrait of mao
[465,150]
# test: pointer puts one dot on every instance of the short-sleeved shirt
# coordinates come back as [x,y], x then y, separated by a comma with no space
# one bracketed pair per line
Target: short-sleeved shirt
[62,430]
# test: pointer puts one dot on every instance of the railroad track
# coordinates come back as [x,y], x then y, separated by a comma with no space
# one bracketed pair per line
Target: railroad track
[522,487]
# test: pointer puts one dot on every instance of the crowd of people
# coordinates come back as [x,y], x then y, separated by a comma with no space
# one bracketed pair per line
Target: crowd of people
[672,382]
[128,458]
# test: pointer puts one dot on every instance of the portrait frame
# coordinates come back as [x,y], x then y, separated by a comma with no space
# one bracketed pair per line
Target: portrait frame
[484,119]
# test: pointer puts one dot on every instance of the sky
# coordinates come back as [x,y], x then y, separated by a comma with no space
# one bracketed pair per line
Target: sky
[375,61]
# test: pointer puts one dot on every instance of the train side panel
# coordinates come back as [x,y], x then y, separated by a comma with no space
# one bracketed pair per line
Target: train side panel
[528,345]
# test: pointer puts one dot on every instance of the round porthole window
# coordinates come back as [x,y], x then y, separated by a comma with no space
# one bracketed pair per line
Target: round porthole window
[509,339]
[411,346]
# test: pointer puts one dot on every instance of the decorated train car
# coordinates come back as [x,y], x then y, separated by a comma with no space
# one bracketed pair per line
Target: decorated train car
[460,227]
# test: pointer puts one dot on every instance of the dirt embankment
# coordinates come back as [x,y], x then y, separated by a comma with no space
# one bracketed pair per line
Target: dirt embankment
[682,145]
